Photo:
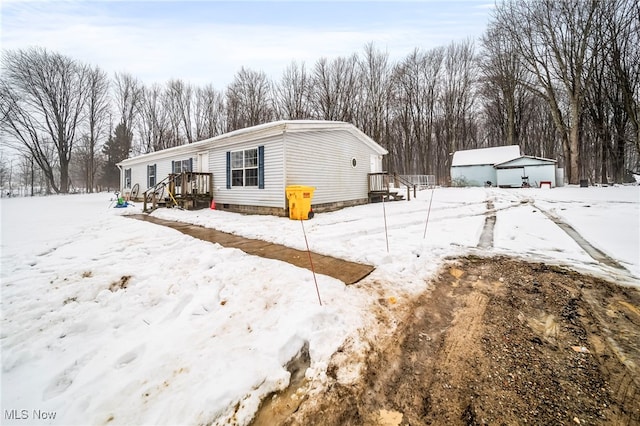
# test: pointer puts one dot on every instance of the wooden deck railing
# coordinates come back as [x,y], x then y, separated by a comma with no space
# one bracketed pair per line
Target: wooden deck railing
[182,189]
[191,184]
[381,184]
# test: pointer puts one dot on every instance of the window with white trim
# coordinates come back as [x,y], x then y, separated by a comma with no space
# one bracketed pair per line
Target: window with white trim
[151,175]
[244,167]
[182,166]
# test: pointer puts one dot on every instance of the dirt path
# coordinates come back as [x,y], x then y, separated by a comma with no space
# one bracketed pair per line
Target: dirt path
[345,271]
[486,237]
[494,341]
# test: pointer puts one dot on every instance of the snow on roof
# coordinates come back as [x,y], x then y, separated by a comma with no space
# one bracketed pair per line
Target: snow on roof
[482,156]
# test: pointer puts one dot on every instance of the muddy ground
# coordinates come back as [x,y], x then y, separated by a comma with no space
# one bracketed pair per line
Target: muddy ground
[493,341]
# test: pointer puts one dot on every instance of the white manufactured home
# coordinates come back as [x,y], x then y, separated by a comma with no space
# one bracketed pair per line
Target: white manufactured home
[249,169]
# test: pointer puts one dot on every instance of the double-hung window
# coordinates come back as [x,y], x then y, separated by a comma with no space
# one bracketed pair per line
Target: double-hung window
[244,167]
[182,166]
[151,175]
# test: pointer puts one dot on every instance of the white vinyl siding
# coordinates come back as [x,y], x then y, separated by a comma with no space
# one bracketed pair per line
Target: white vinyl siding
[304,152]
[323,159]
[272,195]
[163,169]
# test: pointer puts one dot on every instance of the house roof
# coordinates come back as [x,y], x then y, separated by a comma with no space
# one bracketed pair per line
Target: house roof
[525,157]
[485,156]
[260,131]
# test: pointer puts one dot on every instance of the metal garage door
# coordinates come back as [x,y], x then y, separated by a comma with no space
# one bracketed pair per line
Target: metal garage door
[510,177]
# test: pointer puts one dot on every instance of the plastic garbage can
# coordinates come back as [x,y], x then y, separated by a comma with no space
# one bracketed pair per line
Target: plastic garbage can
[300,197]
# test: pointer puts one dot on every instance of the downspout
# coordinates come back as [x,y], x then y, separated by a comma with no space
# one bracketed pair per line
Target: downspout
[284,166]
[121,177]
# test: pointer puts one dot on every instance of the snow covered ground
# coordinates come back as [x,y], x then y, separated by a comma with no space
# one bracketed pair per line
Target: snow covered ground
[110,320]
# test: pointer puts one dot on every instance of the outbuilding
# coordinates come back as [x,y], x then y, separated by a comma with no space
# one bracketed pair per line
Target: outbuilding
[249,169]
[527,170]
[475,167]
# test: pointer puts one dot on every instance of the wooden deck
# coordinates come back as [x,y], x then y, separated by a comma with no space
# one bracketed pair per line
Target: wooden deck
[385,186]
[187,190]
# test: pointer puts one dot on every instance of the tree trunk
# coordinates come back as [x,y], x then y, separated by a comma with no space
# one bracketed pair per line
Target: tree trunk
[574,143]
[603,164]
[63,187]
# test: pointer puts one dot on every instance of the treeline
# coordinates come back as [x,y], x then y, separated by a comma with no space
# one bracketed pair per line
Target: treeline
[559,78]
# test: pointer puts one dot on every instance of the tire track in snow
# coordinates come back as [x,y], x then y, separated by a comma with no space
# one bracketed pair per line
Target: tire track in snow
[591,250]
[595,253]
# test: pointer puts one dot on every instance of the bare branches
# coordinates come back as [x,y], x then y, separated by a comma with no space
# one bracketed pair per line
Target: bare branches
[559,78]
[335,88]
[43,102]
[293,93]
[249,100]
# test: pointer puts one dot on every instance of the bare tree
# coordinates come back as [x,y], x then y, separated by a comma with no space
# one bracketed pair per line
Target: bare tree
[622,20]
[554,40]
[179,98]
[97,115]
[293,92]
[457,99]
[538,134]
[42,102]
[376,85]
[173,135]
[611,121]
[209,112]
[128,97]
[152,126]
[249,100]
[335,88]
[5,171]
[503,78]
[416,82]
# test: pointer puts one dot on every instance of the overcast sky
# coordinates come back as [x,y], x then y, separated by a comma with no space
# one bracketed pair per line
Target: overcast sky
[206,42]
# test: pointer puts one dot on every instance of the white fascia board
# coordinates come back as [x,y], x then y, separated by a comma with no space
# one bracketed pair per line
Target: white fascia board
[256,132]
[530,157]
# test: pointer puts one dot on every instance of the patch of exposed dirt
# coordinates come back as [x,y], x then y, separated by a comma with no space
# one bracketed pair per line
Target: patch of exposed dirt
[494,341]
[121,284]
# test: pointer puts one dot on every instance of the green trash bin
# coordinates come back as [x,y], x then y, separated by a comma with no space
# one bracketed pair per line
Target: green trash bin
[300,197]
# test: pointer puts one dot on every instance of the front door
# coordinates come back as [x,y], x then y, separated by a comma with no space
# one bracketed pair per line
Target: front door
[203,162]
[376,163]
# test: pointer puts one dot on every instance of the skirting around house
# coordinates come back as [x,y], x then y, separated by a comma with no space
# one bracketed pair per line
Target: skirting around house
[276,211]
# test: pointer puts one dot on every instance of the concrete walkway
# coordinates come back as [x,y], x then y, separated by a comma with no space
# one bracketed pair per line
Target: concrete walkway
[345,271]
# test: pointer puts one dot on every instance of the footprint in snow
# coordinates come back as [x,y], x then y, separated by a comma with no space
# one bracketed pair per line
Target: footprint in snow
[179,308]
[129,357]
[65,378]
